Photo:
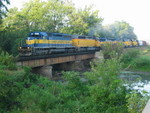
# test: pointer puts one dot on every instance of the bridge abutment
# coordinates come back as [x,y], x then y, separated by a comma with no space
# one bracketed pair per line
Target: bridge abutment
[45,71]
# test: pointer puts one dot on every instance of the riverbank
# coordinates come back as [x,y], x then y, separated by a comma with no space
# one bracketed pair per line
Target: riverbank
[137,59]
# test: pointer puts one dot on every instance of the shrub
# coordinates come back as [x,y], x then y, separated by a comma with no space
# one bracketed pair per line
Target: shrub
[10,89]
[129,55]
[73,93]
[136,101]
[37,98]
[106,91]
[112,50]
[7,60]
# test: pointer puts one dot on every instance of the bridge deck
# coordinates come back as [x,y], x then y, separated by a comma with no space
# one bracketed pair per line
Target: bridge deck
[55,60]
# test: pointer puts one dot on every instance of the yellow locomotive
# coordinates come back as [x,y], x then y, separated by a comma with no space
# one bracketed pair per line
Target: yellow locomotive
[41,43]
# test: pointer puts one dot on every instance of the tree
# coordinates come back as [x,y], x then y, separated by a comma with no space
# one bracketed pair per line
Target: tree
[119,30]
[49,17]
[3,7]
[83,22]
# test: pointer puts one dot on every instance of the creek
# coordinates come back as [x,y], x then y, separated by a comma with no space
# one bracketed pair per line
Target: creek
[139,80]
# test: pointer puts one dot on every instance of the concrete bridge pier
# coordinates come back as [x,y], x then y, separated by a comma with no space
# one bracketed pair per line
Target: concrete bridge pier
[45,71]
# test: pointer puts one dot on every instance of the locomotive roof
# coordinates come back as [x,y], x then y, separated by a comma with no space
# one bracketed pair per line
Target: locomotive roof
[49,34]
[83,37]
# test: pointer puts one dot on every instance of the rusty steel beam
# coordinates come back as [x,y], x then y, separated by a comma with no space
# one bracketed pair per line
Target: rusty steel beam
[56,60]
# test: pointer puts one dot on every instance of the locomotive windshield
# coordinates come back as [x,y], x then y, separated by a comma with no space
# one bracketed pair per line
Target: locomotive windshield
[102,39]
[34,35]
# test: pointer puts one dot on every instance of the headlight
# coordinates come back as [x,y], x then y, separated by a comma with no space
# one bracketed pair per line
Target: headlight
[20,47]
[28,47]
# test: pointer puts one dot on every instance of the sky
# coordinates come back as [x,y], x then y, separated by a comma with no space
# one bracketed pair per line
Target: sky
[134,12]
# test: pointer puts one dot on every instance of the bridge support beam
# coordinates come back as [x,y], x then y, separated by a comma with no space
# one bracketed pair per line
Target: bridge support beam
[45,71]
[54,60]
[73,66]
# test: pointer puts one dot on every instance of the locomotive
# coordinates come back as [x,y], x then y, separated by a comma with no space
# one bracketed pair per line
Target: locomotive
[42,43]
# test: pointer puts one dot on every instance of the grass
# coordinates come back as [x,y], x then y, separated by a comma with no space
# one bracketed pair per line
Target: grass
[137,59]
[142,63]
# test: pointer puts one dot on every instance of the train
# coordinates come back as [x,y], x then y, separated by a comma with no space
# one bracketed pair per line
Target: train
[44,43]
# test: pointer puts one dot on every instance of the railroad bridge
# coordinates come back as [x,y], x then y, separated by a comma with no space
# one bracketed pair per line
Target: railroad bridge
[43,64]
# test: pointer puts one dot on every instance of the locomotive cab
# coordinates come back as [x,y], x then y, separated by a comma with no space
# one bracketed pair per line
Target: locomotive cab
[27,44]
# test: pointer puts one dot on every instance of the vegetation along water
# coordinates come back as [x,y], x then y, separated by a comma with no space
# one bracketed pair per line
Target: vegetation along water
[101,91]
[104,88]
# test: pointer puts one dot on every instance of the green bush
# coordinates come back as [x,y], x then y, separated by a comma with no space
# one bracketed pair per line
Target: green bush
[106,91]
[37,98]
[136,101]
[7,60]
[112,50]
[73,92]
[10,89]
[129,55]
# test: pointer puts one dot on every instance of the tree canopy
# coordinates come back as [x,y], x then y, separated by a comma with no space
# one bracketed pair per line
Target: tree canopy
[55,16]
[118,30]
[3,7]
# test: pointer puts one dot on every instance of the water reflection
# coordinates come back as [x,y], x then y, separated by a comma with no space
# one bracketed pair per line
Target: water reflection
[139,80]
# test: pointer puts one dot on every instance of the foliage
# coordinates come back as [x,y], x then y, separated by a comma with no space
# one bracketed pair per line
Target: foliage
[37,98]
[141,63]
[87,18]
[97,91]
[128,57]
[10,89]
[135,59]
[7,60]
[118,30]
[112,49]
[3,8]
[52,16]
[136,101]
[73,93]
[107,93]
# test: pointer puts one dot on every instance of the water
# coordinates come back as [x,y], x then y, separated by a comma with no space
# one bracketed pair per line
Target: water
[139,80]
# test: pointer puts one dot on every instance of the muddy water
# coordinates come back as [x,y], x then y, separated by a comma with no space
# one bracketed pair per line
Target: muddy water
[139,80]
